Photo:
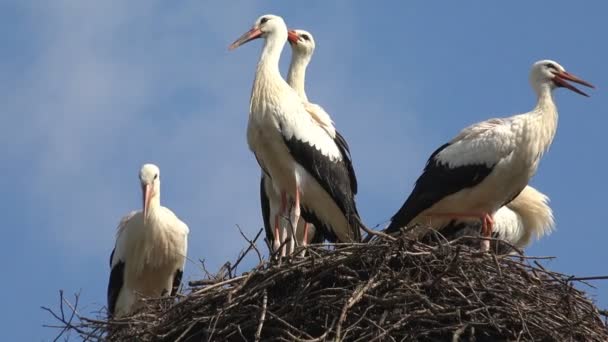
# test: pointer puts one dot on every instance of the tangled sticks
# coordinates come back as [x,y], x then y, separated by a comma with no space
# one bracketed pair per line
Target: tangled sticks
[387,290]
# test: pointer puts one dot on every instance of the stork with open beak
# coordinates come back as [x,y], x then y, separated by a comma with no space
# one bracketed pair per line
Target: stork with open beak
[302,160]
[150,251]
[489,163]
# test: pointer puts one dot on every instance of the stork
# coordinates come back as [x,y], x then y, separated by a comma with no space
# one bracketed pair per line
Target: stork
[303,46]
[150,251]
[528,216]
[489,163]
[302,160]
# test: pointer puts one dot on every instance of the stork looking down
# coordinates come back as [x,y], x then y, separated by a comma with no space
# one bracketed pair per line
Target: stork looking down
[303,46]
[489,163]
[528,216]
[302,160]
[150,251]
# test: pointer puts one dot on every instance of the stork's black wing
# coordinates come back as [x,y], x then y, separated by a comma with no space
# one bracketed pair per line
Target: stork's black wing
[265,203]
[337,178]
[115,284]
[177,280]
[437,181]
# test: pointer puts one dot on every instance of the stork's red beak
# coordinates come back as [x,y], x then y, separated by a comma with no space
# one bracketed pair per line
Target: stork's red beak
[147,193]
[292,37]
[246,37]
[561,79]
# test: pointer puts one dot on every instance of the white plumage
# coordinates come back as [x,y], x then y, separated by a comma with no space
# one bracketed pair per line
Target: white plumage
[527,217]
[298,155]
[150,251]
[489,163]
[302,46]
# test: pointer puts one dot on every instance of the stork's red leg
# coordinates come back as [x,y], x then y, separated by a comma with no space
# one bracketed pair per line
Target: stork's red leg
[284,230]
[487,224]
[276,244]
[486,231]
[295,219]
[305,239]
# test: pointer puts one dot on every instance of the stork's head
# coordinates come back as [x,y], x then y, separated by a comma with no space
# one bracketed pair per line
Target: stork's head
[149,176]
[548,72]
[301,42]
[264,26]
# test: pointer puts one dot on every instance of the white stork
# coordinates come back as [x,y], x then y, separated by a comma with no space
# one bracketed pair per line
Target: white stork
[302,46]
[150,251]
[527,216]
[304,162]
[489,163]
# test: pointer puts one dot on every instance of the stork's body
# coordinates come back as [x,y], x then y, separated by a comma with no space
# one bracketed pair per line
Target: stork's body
[293,150]
[150,252]
[303,46]
[488,164]
[528,216]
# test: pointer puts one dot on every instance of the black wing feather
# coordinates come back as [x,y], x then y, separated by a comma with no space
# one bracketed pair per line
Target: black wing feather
[319,237]
[322,231]
[112,256]
[436,182]
[177,280]
[115,284]
[345,151]
[266,210]
[334,177]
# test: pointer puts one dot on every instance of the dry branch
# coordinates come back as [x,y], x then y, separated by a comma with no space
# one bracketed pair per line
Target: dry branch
[387,290]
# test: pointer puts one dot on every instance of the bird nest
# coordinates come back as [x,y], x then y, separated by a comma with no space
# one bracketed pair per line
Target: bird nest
[392,289]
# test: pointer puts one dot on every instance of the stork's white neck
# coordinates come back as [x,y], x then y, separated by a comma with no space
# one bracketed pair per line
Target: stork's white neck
[545,98]
[296,77]
[268,65]
[268,83]
[544,119]
[154,203]
[545,106]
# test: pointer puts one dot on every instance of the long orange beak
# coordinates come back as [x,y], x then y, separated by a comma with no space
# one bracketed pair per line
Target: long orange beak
[147,193]
[292,37]
[561,77]
[246,37]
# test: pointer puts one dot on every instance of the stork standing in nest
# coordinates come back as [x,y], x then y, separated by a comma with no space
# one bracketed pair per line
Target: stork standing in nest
[525,218]
[302,160]
[489,163]
[302,46]
[150,252]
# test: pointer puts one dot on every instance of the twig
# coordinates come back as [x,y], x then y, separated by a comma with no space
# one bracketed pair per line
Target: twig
[258,332]
[249,248]
[390,289]
[587,278]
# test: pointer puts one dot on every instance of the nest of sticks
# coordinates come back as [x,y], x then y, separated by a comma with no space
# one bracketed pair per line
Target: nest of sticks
[391,289]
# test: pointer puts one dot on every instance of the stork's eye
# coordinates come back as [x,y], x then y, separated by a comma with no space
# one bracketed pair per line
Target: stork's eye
[551,66]
[305,37]
[264,20]
[156,176]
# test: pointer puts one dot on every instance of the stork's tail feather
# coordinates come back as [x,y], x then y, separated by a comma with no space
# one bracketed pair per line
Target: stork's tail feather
[357,225]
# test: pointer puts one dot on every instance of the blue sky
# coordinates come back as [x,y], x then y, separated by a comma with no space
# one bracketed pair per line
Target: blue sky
[91,90]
